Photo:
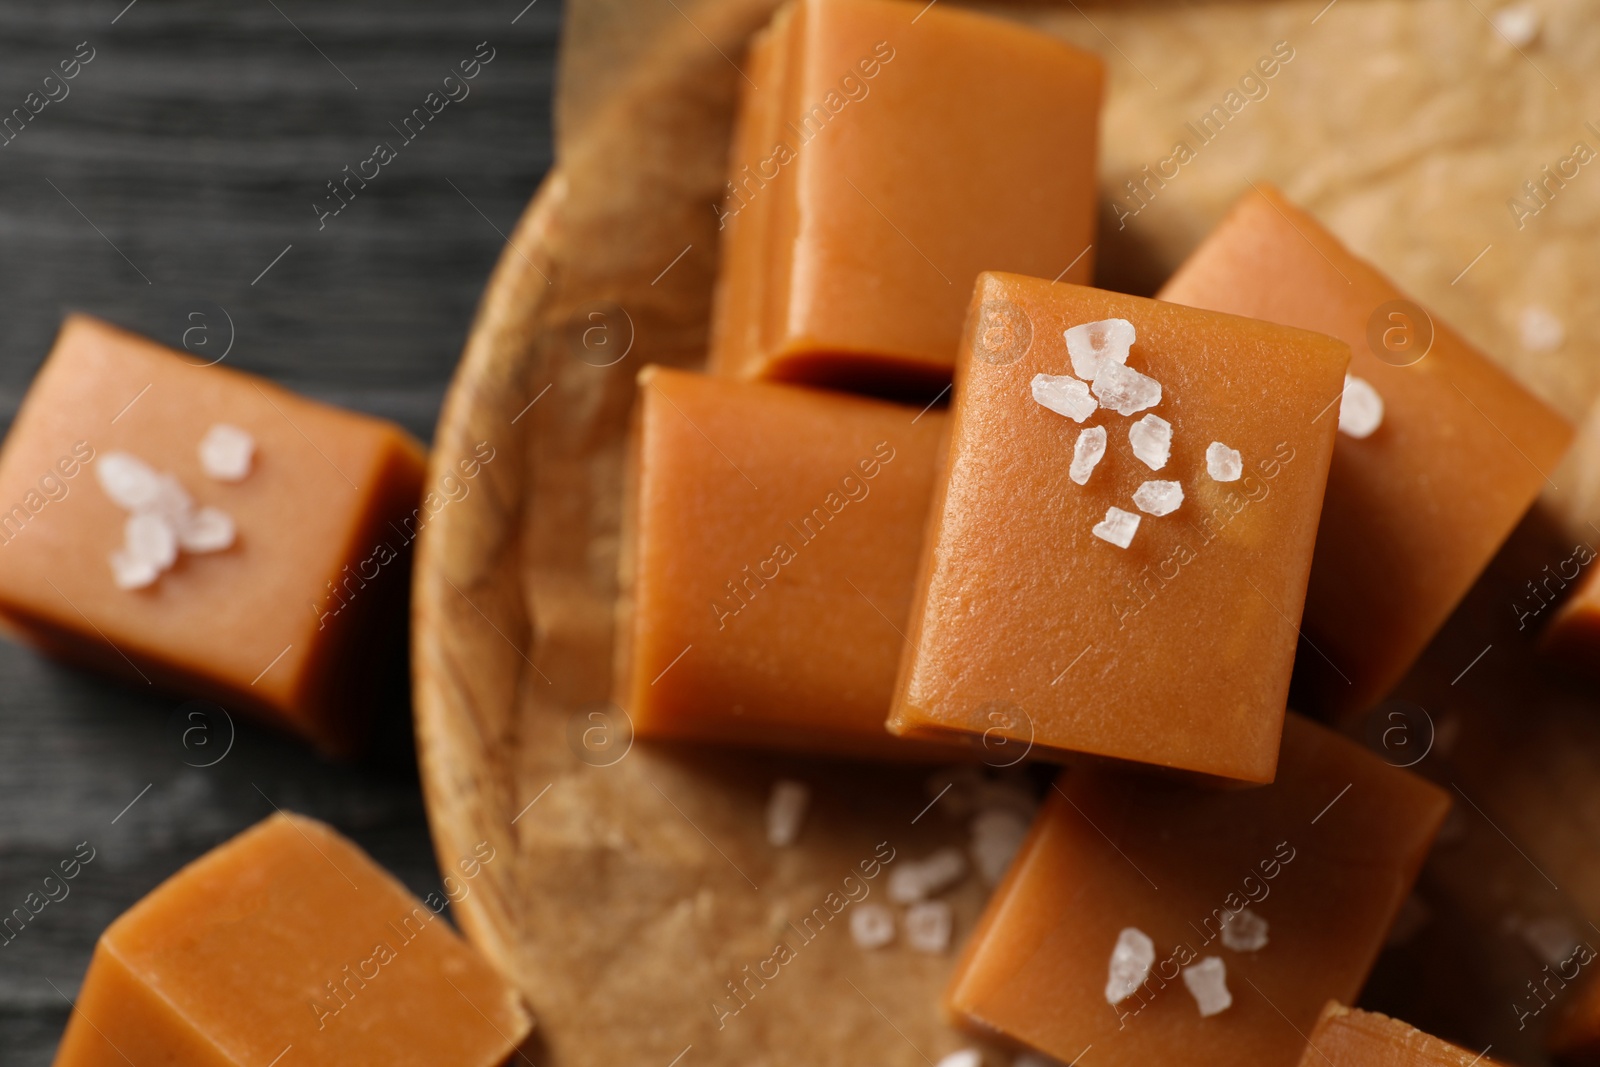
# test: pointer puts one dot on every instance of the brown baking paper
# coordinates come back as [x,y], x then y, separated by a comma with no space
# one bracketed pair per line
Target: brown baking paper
[633,882]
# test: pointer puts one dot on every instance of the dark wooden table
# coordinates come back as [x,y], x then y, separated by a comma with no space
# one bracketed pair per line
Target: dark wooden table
[172,189]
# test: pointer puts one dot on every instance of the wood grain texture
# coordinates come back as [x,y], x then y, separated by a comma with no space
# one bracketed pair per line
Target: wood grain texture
[196,141]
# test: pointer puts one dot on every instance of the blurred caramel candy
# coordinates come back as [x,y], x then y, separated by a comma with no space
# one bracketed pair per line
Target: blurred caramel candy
[1415,510]
[1325,856]
[288,945]
[279,622]
[885,153]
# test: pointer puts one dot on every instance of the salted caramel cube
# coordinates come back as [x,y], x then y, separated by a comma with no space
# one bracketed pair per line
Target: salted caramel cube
[1318,863]
[285,538]
[1416,507]
[288,944]
[1348,1037]
[1109,612]
[770,543]
[885,153]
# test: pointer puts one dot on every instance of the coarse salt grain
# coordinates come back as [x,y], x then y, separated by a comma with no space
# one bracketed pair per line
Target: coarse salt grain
[1224,464]
[997,834]
[1541,331]
[1131,960]
[871,925]
[1360,409]
[1518,24]
[1151,438]
[150,537]
[928,926]
[1208,984]
[1118,527]
[963,1057]
[1092,345]
[1086,454]
[1064,395]
[786,810]
[1158,498]
[1244,931]
[1551,938]
[207,530]
[129,481]
[226,452]
[130,572]
[912,880]
[1124,390]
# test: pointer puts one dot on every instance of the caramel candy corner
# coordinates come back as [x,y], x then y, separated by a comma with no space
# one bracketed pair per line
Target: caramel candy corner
[289,937]
[885,153]
[285,622]
[770,541]
[1349,1037]
[1176,648]
[1415,510]
[1322,859]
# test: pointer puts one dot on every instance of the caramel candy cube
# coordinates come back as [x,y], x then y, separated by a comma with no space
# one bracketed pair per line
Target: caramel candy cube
[1415,509]
[1291,887]
[769,549]
[276,619]
[885,153]
[1347,1037]
[1148,611]
[288,944]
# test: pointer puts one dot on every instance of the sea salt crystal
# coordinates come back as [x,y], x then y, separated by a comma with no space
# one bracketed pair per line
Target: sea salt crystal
[1130,964]
[1158,498]
[1034,1059]
[996,836]
[1361,409]
[928,926]
[1518,24]
[131,572]
[1244,931]
[151,538]
[1064,395]
[1224,464]
[1124,390]
[207,530]
[1151,438]
[912,880]
[1094,344]
[964,1057]
[226,452]
[1086,453]
[872,925]
[129,481]
[1541,331]
[1208,983]
[172,501]
[1117,527]
[786,809]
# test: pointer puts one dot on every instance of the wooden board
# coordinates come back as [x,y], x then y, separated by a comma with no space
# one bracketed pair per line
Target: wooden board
[643,884]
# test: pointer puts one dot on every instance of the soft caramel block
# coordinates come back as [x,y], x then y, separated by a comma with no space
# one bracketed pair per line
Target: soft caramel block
[769,550]
[289,944]
[1176,649]
[277,623]
[1416,509]
[1323,857]
[885,153]
[1347,1037]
